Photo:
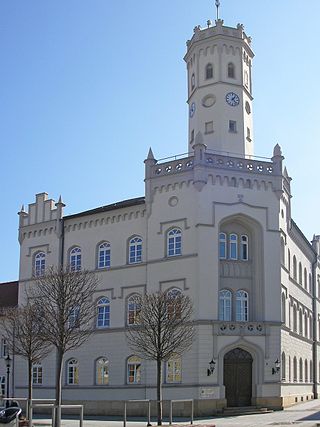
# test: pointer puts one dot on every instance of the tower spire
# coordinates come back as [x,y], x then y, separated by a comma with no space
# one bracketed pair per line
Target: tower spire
[217,6]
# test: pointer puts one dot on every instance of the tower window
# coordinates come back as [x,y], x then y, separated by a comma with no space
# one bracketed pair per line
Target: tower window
[246,78]
[231,70]
[192,136]
[232,126]
[209,127]
[209,71]
[193,81]
[248,134]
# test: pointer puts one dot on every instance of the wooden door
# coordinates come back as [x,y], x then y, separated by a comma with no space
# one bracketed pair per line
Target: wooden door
[237,377]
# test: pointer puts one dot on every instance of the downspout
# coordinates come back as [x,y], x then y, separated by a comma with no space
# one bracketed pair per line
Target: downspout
[314,333]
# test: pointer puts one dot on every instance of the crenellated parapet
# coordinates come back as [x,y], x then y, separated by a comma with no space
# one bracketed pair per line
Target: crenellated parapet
[42,210]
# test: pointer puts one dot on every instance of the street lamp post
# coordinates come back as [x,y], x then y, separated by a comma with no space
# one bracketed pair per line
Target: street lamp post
[8,364]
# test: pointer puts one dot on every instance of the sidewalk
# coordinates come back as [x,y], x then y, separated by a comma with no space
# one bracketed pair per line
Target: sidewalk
[303,415]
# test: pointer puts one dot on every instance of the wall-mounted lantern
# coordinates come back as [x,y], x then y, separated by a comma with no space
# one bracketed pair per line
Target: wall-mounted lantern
[212,366]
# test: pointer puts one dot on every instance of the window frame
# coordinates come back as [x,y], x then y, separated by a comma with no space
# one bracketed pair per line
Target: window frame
[101,371]
[135,243]
[37,374]
[103,303]
[209,71]
[75,258]
[231,70]
[242,302]
[223,301]
[104,255]
[133,309]
[233,244]
[174,374]
[174,242]
[134,364]
[72,372]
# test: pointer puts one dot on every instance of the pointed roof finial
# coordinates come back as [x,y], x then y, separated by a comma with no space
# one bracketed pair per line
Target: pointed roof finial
[60,202]
[22,208]
[217,6]
[150,154]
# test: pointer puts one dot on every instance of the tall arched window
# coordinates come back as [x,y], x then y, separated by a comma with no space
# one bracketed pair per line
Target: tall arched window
[300,322]
[289,261]
[135,250]
[222,246]
[173,369]
[103,317]
[310,327]
[282,251]
[231,70]
[209,71]
[244,248]
[134,370]
[294,266]
[310,283]
[233,246]
[295,319]
[305,279]
[300,370]
[311,371]
[295,369]
[242,306]
[37,374]
[39,264]
[102,371]
[300,274]
[174,303]
[283,307]
[306,369]
[306,323]
[283,366]
[225,298]
[75,259]
[289,364]
[72,372]
[104,255]
[133,309]
[174,242]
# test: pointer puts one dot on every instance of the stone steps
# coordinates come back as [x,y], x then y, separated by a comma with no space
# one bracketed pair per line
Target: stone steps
[244,410]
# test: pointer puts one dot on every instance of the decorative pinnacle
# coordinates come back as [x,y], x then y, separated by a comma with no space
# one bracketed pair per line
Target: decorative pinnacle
[150,155]
[217,6]
[277,151]
[60,202]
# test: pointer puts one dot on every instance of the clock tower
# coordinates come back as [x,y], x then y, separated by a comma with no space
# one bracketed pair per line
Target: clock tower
[219,60]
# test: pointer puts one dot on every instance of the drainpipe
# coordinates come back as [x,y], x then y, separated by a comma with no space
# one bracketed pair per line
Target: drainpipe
[314,334]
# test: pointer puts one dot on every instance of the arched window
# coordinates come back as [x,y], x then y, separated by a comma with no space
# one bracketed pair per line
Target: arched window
[231,70]
[134,370]
[283,366]
[289,363]
[102,371]
[39,264]
[135,250]
[242,306]
[300,370]
[283,307]
[311,371]
[74,319]
[222,246]
[193,81]
[104,255]
[103,317]
[233,246]
[295,369]
[282,251]
[133,309]
[295,319]
[300,322]
[209,71]
[174,303]
[310,283]
[310,327]
[306,323]
[305,279]
[300,274]
[37,374]
[225,305]
[174,242]
[294,266]
[289,261]
[306,371]
[75,259]
[173,369]
[72,372]
[244,248]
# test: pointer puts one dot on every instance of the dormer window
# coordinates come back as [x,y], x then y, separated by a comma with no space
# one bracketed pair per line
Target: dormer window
[231,70]
[209,71]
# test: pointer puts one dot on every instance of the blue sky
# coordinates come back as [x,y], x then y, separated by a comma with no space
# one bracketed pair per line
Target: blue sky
[86,86]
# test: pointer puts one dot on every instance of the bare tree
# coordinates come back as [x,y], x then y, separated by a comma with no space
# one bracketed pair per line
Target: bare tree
[65,300]
[22,330]
[164,327]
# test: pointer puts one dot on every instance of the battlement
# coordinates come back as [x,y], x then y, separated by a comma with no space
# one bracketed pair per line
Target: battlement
[200,34]
[42,210]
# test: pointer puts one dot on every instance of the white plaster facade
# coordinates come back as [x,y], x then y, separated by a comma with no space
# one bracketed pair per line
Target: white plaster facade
[203,195]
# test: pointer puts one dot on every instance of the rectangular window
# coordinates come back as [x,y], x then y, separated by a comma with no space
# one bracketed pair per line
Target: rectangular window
[174,370]
[4,348]
[37,374]
[3,385]
[209,127]
[232,126]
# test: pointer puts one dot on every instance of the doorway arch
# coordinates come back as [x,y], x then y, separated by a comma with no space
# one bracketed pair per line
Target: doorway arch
[237,377]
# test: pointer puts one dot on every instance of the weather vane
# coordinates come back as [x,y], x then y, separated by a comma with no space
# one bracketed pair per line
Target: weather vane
[217,6]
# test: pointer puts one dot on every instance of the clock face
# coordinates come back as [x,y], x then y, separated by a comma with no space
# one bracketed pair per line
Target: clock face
[232,99]
[192,109]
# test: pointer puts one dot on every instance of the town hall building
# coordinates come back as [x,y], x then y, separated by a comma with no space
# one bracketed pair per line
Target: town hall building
[215,225]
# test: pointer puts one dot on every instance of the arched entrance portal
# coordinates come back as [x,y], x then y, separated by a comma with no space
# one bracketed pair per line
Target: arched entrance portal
[237,377]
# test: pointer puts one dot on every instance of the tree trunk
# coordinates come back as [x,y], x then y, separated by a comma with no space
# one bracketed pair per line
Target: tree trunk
[159,391]
[58,387]
[29,403]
